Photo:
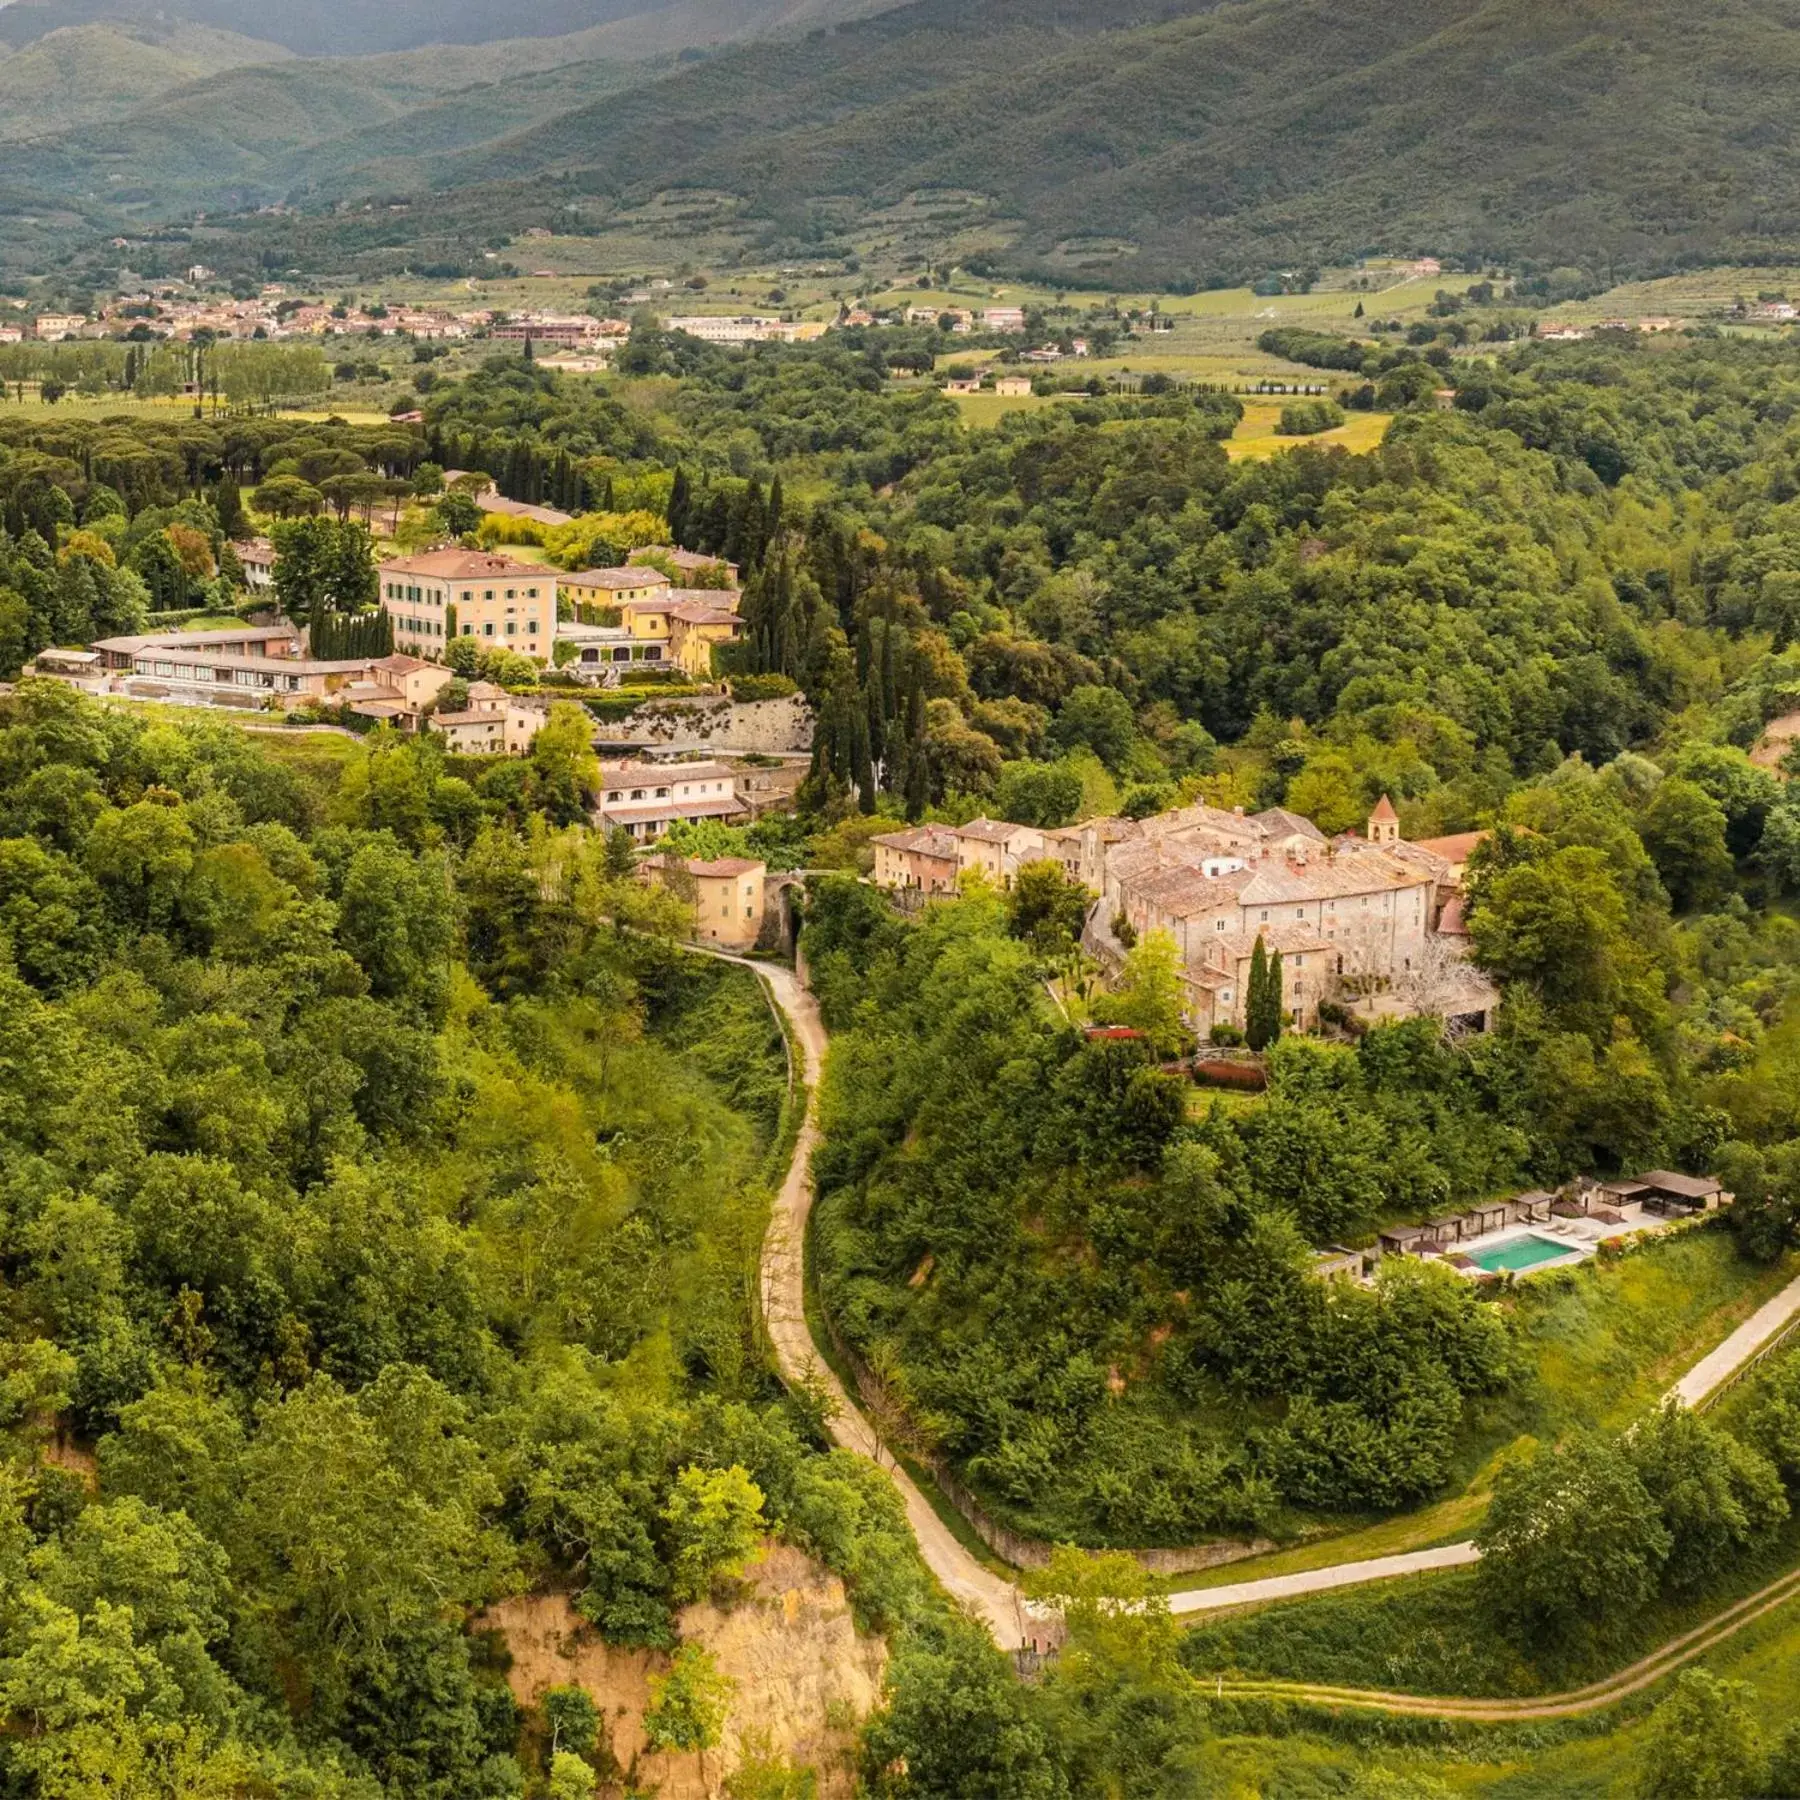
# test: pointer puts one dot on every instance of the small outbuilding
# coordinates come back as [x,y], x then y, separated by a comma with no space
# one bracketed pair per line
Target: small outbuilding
[1403,1240]
[1666,1192]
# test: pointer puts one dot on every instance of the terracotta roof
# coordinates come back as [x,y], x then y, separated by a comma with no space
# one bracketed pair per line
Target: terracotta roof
[636,774]
[1688,1187]
[463,565]
[725,599]
[1200,976]
[1418,856]
[992,831]
[694,612]
[1384,811]
[1327,878]
[922,840]
[1277,821]
[1456,848]
[722,867]
[401,664]
[616,580]
[1203,818]
[682,559]
[1183,892]
[197,640]
[522,509]
[720,806]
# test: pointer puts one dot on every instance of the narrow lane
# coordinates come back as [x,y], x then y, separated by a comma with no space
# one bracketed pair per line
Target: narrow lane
[996,1602]
[1319,1581]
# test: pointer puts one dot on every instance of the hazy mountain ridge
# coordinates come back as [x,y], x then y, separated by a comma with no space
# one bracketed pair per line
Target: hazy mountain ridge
[1214,140]
[263,130]
[89,72]
[351,28]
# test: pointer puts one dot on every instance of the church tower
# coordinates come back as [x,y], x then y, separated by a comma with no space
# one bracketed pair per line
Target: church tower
[1384,823]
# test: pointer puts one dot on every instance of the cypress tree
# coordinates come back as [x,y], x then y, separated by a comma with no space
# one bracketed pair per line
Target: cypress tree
[1260,1030]
[680,498]
[889,689]
[918,773]
[877,733]
[1276,1010]
[862,770]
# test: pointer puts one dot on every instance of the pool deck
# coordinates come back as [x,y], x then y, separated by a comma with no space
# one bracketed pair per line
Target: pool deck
[1583,1237]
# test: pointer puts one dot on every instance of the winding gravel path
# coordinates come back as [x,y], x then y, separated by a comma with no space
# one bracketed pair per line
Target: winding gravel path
[999,1604]
[996,1602]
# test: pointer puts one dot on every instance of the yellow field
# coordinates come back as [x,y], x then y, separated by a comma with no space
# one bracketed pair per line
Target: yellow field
[351,415]
[1260,432]
[988,409]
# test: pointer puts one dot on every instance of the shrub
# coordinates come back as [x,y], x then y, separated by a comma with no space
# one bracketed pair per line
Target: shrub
[748,688]
[1304,418]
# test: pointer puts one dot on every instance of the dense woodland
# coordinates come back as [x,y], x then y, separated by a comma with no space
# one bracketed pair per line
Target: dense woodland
[379,1236]
[364,1185]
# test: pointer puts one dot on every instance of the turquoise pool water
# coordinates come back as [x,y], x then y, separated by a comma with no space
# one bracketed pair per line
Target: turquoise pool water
[1519,1253]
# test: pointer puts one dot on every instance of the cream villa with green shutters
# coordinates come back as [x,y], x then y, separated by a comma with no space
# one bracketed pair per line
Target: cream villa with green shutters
[501,603]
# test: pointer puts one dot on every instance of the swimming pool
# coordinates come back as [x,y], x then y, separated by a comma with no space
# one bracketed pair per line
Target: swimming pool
[1524,1252]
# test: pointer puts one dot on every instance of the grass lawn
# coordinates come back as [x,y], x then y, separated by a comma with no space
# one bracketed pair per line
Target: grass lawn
[1593,1759]
[214,622]
[1235,1101]
[292,743]
[1260,432]
[989,409]
[1430,1634]
[1609,1342]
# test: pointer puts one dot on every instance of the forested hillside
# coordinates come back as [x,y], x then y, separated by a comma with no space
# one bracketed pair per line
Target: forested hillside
[378,1215]
[379,1224]
[99,71]
[1258,136]
[1123,144]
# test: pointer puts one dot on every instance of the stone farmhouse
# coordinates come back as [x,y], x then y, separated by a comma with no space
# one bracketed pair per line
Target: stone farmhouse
[1372,923]
[727,895]
[1366,921]
[930,859]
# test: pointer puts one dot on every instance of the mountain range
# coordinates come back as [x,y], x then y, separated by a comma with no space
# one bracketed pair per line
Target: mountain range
[349,27]
[1130,142]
